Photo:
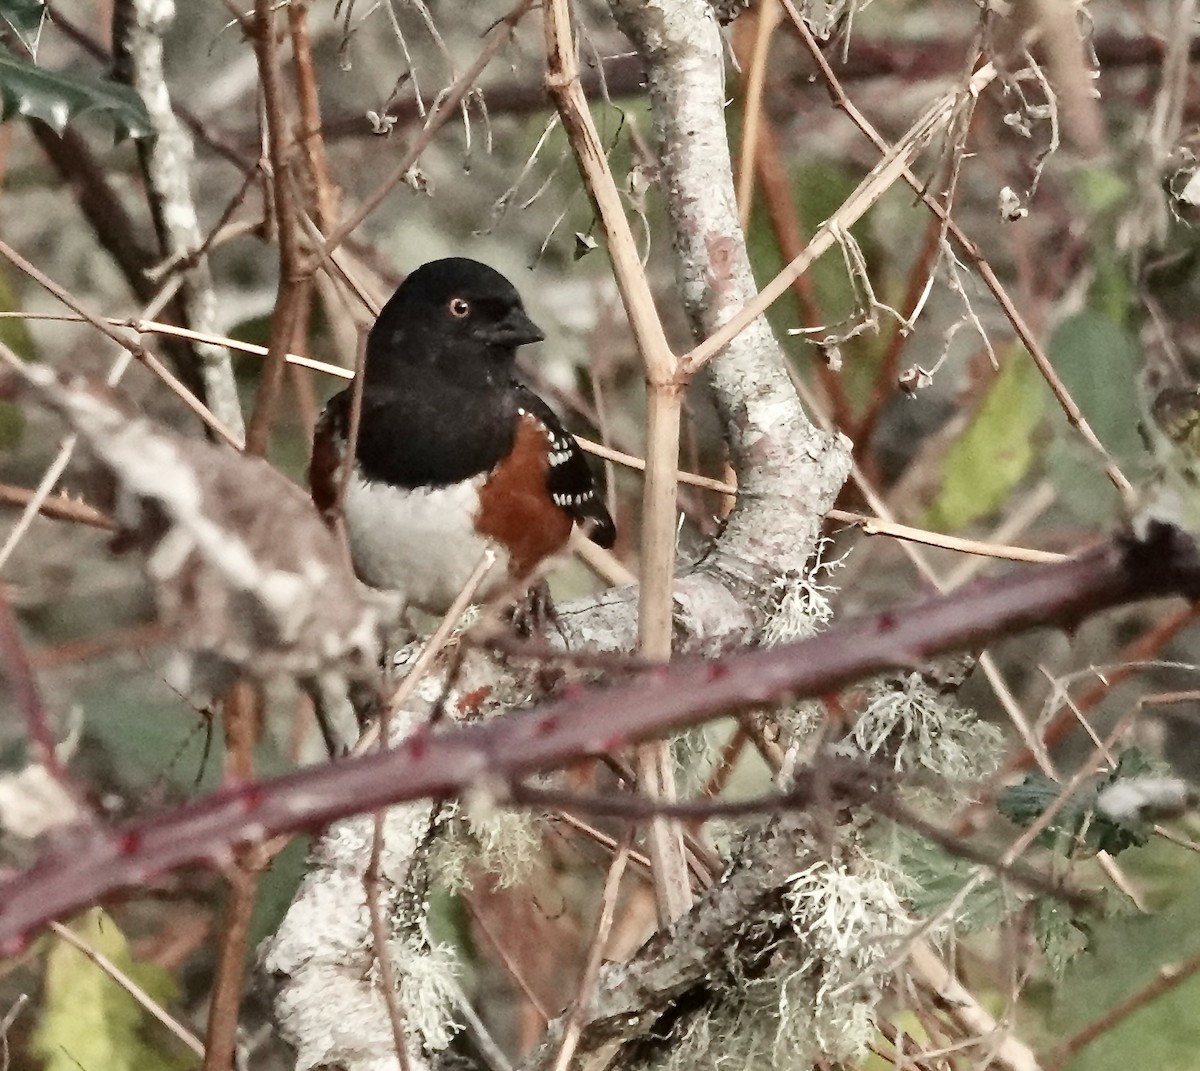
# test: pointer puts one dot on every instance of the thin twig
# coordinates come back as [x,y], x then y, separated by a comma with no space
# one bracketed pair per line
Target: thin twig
[295,285]
[57,466]
[1073,413]
[388,981]
[608,905]
[510,964]
[762,24]
[57,507]
[890,169]
[664,401]
[1169,976]
[431,650]
[246,867]
[447,106]
[132,346]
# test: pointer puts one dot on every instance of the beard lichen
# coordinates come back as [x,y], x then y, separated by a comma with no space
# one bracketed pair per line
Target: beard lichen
[805,983]
[922,730]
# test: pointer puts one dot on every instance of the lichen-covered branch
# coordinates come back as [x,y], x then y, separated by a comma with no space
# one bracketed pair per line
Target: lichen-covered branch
[139,26]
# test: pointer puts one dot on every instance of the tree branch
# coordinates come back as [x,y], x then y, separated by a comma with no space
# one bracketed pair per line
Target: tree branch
[686,692]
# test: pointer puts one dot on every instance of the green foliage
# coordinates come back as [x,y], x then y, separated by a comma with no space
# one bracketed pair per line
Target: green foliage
[24,16]
[938,879]
[1077,826]
[276,890]
[57,98]
[1102,196]
[1098,361]
[87,1019]
[1060,933]
[1126,951]
[995,452]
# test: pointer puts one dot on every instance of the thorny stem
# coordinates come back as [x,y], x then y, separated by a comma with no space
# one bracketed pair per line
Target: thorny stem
[685,692]
[22,685]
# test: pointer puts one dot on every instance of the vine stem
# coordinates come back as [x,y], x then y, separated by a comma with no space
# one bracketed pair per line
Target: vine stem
[664,406]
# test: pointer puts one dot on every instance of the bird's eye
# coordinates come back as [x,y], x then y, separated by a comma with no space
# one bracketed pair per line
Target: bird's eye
[459,308]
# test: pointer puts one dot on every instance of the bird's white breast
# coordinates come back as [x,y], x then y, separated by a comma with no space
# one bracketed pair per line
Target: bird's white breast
[421,542]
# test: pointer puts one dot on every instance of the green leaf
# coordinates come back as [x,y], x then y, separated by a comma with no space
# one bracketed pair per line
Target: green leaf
[937,879]
[24,16]
[1077,826]
[1059,933]
[57,98]
[1083,488]
[1027,802]
[1098,362]
[87,1019]
[995,452]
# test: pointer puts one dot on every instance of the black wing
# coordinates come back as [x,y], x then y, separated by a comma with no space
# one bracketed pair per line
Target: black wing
[570,480]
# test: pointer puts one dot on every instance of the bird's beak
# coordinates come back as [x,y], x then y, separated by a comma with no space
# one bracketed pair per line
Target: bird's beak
[516,329]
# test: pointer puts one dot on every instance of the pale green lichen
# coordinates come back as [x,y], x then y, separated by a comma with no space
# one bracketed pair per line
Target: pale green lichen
[830,954]
[919,728]
[800,602]
[426,973]
[496,841]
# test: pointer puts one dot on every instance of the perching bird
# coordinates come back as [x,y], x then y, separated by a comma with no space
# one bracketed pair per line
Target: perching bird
[453,455]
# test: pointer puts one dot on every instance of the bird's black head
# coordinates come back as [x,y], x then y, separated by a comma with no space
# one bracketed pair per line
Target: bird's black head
[456,314]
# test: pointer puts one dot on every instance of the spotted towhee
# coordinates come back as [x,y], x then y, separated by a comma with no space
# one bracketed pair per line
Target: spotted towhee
[453,455]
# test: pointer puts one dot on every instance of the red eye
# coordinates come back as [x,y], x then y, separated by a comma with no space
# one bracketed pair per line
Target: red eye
[459,308]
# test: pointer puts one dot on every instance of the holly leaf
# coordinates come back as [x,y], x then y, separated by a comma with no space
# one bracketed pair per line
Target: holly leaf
[24,16]
[57,98]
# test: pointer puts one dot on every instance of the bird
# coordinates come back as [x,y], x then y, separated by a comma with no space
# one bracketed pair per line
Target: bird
[454,454]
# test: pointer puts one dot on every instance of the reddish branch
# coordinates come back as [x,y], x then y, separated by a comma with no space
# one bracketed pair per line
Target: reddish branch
[24,692]
[596,720]
[917,61]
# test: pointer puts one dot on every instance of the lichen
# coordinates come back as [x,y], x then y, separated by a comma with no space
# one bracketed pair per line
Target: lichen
[918,728]
[800,605]
[504,843]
